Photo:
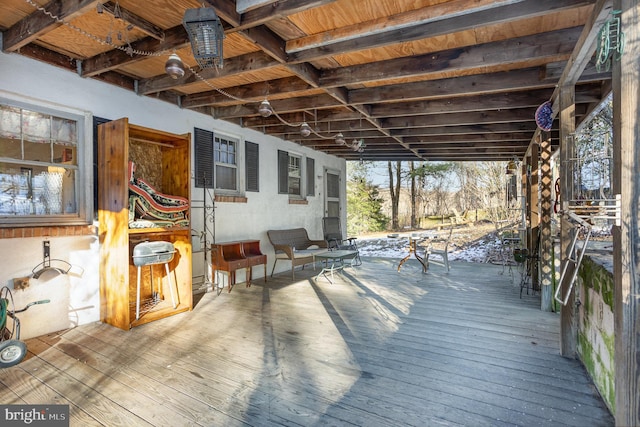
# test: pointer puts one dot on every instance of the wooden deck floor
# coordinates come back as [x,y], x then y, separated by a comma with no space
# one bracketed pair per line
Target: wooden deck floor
[375,348]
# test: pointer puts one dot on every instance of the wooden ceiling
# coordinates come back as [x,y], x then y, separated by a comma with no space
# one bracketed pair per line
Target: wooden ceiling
[414,79]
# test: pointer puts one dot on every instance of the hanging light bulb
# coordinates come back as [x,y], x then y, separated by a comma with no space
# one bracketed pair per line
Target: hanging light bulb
[265,109]
[340,139]
[174,66]
[305,129]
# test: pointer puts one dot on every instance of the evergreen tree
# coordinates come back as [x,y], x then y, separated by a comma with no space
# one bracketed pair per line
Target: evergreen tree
[364,204]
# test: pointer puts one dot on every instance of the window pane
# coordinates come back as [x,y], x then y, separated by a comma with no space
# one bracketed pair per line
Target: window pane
[63,130]
[225,178]
[10,124]
[37,151]
[36,127]
[36,190]
[63,153]
[11,148]
[333,185]
[294,185]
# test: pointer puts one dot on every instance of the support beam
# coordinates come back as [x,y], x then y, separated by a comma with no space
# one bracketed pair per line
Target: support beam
[626,241]
[546,238]
[534,213]
[569,312]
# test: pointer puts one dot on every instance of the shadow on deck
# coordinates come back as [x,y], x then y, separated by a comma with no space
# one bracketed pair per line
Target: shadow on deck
[375,348]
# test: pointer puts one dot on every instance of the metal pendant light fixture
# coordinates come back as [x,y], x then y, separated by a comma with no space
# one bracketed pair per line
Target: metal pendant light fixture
[305,129]
[206,34]
[265,109]
[174,67]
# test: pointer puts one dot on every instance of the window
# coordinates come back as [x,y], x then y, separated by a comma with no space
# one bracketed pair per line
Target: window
[41,165]
[294,175]
[215,157]
[290,175]
[225,156]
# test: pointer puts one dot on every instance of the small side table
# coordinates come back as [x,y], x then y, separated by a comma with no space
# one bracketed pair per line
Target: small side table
[337,259]
[412,250]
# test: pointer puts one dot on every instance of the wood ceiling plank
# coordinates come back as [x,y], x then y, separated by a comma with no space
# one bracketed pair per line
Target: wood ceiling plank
[264,14]
[256,91]
[394,22]
[142,24]
[175,38]
[510,12]
[504,52]
[37,23]
[445,88]
[237,65]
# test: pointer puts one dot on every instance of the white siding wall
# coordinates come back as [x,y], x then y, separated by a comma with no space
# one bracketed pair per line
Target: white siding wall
[75,297]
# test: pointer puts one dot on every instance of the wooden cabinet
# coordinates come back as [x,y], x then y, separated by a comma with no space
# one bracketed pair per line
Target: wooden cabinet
[166,156]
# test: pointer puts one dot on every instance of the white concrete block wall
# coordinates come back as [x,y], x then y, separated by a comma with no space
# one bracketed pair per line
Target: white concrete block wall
[37,83]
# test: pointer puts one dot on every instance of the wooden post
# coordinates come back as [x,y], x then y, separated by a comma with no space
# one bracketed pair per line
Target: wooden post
[546,239]
[626,182]
[534,211]
[568,313]
[528,200]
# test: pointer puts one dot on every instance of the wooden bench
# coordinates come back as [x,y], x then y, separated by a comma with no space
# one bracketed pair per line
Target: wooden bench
[294,245]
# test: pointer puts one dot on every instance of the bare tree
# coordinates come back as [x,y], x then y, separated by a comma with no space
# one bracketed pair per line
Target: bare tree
[412,177]
[394,191]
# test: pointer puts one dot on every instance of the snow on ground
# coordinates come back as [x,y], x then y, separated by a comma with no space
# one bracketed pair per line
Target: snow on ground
[477,243]
[459,250]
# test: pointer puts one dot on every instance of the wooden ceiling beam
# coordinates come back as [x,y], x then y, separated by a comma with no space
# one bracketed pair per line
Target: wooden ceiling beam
[38,23]
[174,38]
[395,22]
[508,81]
[464,139]
[457,102]
[554,45]
[490,128]
[232,66]
[461,118]
[280,9]
[140,23]
[468,21]
[269,42]
[255,91]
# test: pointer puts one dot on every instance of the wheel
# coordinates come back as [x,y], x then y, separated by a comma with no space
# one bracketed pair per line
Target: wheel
[12,352]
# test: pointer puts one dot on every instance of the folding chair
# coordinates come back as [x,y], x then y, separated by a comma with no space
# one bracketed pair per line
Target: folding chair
[333,236]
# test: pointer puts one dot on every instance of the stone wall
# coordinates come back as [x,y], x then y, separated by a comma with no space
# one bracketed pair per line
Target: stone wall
[594,291]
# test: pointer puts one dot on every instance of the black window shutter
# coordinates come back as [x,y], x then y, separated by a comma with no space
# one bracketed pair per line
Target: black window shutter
[252,166]
[203,154]
[283,172]
[311,172]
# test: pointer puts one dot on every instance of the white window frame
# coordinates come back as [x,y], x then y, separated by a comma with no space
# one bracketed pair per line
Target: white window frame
[301,161]
[84,169]
[238,142]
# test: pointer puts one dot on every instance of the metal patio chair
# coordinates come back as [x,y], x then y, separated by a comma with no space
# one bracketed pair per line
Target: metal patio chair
[332,231]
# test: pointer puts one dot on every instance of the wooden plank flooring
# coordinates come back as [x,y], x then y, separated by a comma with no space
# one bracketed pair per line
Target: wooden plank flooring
[375,348]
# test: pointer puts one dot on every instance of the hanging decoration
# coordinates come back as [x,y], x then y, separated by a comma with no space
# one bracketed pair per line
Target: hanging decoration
[610,43]
[544,116]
